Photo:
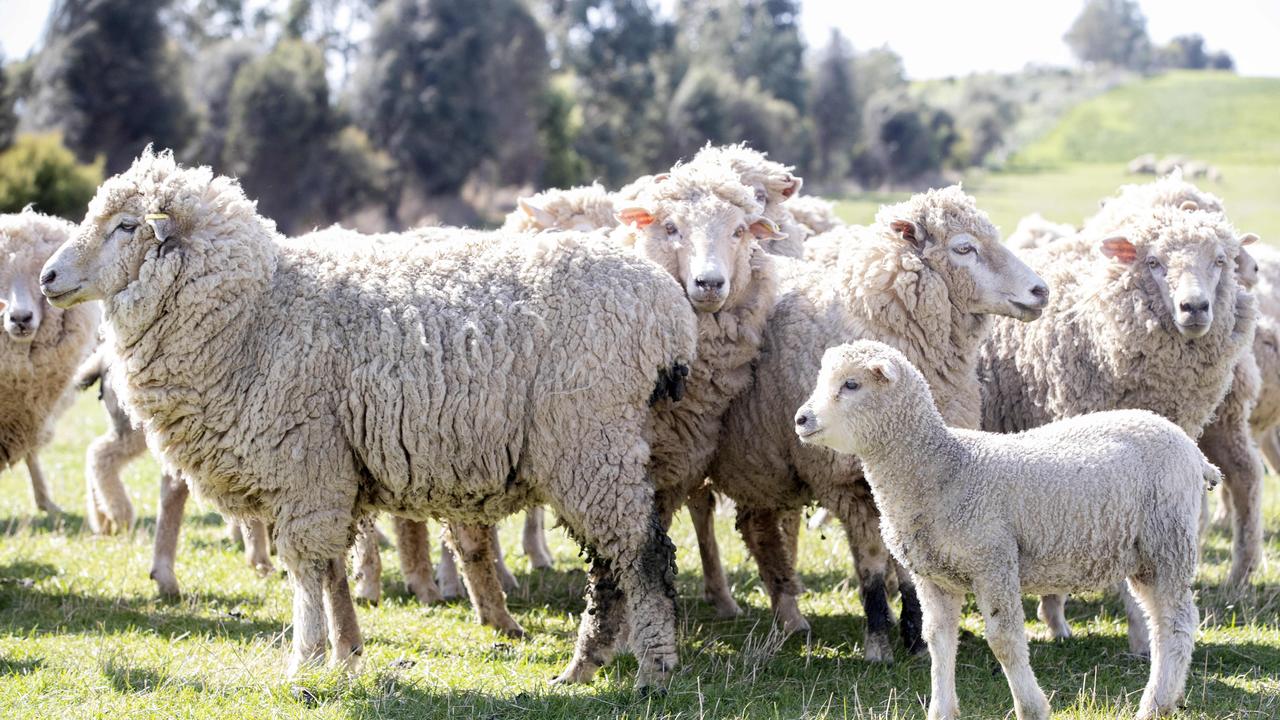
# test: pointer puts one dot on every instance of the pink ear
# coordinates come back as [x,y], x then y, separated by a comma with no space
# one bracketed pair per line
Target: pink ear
[637,216]
[883,371]
[793,187]
[766,229]
[1189,206]
[1119,249]
[906,229]
[1248,239]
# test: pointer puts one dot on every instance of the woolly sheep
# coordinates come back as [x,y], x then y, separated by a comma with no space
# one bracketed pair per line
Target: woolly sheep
[814,213]
[551,353]
[1035,231]
[1077,504]
[584,208]
[772,182]
[1151,319]
[40,346]
[923,277]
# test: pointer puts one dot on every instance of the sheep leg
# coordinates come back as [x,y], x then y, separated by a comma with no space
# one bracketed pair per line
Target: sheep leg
[872,562]
[1173,624]
[344,628]
[1228,444]
[110,510]
[309,622]
[39,488]
[413,542]
[235,532]
[715,586]
[447,572]
[603,626]
[942,631]
[257,547]
[173,498]
[1139,641]
[1052,611]
[534,538]
[789,522]
[368,563]
[505,577]
[1000,601]
[1269,442]
[912,614]
[473,545]
[764,539]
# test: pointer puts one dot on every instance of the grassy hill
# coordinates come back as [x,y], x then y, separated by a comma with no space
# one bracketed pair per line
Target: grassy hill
[1210,116]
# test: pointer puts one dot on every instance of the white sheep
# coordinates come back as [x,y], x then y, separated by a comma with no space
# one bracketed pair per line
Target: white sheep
[466,378]
[1035,231]
[1151,318]
[814,213]
[40,346]
[1078,504]
[584,208]
[924,277]
[773,184]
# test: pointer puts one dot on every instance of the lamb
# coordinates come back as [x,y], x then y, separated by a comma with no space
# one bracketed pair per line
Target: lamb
[40,347]
[1076,504]
[464,378]
[923,277]
[1151,319]
[772,182]
[1035,231]
[584,208]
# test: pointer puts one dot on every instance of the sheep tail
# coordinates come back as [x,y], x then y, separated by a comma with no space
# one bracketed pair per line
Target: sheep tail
[671,382]
[1212,475]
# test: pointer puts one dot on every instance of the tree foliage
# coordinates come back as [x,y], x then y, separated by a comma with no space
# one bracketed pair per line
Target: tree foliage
[8,118]
[38,170]
[1112,32]
[834,108]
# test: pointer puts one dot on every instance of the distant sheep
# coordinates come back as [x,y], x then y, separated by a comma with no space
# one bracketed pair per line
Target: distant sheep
[343,374]
[1035,231]
[1078,504]
[584,208]
[773,184]
[815,214]
[40,346]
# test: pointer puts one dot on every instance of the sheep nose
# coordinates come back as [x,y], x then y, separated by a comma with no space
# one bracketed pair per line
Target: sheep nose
[1196,307]
[48,277]
[21,318]
[709,282]
[1040,292]
[803,419]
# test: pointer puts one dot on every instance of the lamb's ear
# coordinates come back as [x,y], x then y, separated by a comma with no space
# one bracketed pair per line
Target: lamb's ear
[163,227]
[909,232]
[636,215]
[1189,206]
[884,371]
[1119,249]
[766,229]
[794,187]
[1249,238]
[535,213]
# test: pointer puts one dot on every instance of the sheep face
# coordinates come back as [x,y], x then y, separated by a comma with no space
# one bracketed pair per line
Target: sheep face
[855,392]
[27,239]
[104,256]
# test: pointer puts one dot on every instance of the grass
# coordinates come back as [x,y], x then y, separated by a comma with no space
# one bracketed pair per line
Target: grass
[83,635]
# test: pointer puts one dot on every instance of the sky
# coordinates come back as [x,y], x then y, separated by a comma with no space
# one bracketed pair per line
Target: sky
[939,38]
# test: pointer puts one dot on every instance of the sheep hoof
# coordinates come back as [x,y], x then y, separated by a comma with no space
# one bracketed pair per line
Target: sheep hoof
[726,607]
[50,508]
[513,631]
[427,594]
[878,649]
[166,584]
[264,569]
[578,673]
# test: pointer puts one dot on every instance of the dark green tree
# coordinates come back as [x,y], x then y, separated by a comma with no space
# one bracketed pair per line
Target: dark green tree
[37,170]
[834,109]
[1186,52]
[749,39]
[110,81]
[1112,32]
[219,64]
[8,118]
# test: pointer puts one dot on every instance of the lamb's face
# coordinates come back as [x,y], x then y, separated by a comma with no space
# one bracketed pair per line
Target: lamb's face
[26,241]
[105,254]
[850,396]
[982,275]
[703,240]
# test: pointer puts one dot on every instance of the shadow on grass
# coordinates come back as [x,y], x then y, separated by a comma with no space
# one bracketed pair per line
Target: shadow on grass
[20,667]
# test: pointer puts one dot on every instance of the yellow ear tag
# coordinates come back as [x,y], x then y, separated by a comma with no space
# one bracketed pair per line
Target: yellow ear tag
[157,216]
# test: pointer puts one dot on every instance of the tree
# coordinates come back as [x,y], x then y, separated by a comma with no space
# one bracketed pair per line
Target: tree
[8,118]
[557,132]
[39,171]
[109,81]
[1186,52]
[219,64]
[903,138]
[1222,60]
[1112,32]
[515,81]
[749,39]
[834,108]
[712,106]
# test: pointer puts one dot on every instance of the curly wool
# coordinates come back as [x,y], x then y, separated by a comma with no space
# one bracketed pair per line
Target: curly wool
[814,213]
[756,171]
[1035,231]
[586,207]
[36,376]
[1108,341]
[1132,201]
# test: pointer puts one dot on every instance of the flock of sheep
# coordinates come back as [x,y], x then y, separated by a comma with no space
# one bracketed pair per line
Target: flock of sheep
[616,355]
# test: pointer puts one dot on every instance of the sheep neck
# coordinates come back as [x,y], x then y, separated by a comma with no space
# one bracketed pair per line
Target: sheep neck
[908,456]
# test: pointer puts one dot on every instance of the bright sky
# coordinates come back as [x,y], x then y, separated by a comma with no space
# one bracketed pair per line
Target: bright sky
[936,38]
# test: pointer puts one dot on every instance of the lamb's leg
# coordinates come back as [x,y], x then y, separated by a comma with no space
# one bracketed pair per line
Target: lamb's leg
[344,628]
[368,563]
[1000,601]
[110,509]
[505,577]
[473,545]
[173,498]
[39,488]
[763,536]
[257,547]
[1173,623]
[1269,442]
[534,538]
[1052,611]
[413,542]
[941,630]
[235,532]
[715,586]
[308,577]
[447,572]
[911,623]
[1139,640]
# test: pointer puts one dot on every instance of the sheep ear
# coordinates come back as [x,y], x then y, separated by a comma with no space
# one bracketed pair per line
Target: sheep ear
[163,227]
[661,177]
[1119,249]
[636,215]
[1249,238]
[883,371]
[535,213]
[1189,206]
[793,187]
[766,229]
[909,232]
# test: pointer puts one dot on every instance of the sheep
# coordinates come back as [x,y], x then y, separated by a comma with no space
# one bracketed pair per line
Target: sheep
[40,346]
[1151,318]
[814,213]
[772,182]
[1076,504]
[1142,165]
[109,508]
[282,381]
[923,277]
[1035,231]
[584,208]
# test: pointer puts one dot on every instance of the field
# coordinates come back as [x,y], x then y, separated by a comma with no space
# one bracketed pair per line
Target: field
[82,633]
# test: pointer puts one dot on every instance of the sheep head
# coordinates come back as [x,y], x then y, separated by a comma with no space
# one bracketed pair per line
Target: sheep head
[584,209]
[27,239]
[957,241]
[701,224]
[771,183]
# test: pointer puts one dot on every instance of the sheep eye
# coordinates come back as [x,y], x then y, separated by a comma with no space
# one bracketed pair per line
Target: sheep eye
[670,227]
[1153,263]
[851,385]
[962,249]
[761,197]
[1220,261]
[127,226]
[739,232]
